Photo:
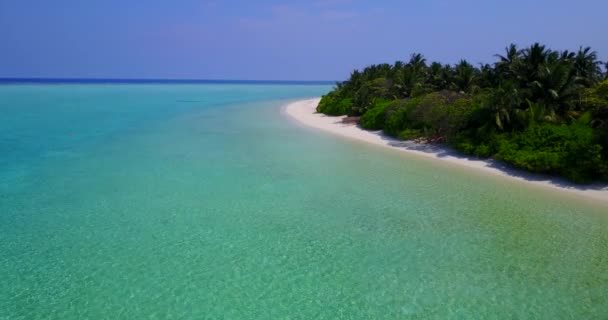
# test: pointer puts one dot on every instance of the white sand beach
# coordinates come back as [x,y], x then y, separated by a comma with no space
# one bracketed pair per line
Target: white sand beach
[304,112]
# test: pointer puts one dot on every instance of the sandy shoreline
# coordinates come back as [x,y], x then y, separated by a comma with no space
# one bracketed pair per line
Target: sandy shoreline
[304,112]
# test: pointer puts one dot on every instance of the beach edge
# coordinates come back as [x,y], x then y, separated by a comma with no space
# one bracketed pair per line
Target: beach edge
[304,113]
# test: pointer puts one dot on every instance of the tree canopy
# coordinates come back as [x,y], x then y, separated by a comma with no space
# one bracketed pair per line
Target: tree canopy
[536,108]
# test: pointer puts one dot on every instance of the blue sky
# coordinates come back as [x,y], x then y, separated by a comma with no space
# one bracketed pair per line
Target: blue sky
[290,40]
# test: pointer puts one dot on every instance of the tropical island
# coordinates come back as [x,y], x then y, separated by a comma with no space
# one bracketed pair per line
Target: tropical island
[542,110]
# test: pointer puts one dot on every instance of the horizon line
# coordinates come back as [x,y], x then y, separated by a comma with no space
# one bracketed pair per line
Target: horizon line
[153,80]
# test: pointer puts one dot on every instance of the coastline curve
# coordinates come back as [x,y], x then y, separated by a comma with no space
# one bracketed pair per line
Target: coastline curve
[304,112]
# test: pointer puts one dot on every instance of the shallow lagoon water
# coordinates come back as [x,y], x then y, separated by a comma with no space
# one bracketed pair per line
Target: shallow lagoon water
[204,201]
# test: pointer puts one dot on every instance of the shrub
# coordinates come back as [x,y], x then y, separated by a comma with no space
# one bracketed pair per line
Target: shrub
[601,89]
[596,99]
[410,134]
[568,150]
[397,118]
[479,150]
[480,144]
[332,104]
[365,97]
[375,117]
[443,113]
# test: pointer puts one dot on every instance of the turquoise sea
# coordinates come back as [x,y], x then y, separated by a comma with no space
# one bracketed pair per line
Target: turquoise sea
[203,201]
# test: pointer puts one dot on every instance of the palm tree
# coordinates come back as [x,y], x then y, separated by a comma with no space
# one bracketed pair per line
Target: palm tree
[395,76]
[397,67]
[586,66]
[507,64]
[408,81]
[355,80]
[465,76]
[488,76]
[532,59]
[556,86]
[415,74]
[417,62]
[377,71]
[534,113]
[436,77]
[448,74]
[512,54]
[564,55]
[503,103]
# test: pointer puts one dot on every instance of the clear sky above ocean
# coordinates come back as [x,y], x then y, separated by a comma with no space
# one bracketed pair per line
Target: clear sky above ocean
[291,40]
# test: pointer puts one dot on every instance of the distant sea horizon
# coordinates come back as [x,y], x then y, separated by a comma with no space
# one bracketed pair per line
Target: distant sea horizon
[19,80]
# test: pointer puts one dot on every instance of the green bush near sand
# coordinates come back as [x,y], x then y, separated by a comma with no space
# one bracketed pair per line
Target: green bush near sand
[535,108]
[333,104]
[570,150]
[375,117]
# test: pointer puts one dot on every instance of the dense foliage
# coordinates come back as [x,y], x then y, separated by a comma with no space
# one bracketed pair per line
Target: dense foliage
[535,108]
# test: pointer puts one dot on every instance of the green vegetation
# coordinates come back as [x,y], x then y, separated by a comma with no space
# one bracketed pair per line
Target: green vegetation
[333,104]
[535,108]
[375,117]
